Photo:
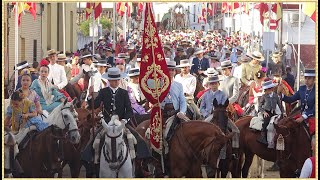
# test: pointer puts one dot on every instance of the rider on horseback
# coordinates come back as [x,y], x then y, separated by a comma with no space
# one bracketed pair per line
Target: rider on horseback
[115,100]
[98,81]
[251,68]
[230,86]
[267,106]
[175,100]
[188,82]
[306,95]
[87,65]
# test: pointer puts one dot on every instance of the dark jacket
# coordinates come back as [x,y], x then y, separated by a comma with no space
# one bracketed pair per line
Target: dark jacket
[202,66]
[308,102]
[290,80]
[122,103]
[268,103]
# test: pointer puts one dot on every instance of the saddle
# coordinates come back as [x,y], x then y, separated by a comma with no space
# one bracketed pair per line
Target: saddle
[30,136]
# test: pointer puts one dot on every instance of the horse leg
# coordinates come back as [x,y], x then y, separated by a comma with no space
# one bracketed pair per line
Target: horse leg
[223,166]
[89,169]
[260,167]
[75,167]
[247,164]
[62,166]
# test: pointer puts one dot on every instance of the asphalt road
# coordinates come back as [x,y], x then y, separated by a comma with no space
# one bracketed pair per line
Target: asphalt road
[267,174]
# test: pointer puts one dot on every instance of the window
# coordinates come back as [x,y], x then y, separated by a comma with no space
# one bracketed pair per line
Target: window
[34,50]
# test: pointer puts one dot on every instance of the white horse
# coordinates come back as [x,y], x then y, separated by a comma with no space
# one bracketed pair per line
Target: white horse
[115,160]
[63,116]
[9,142]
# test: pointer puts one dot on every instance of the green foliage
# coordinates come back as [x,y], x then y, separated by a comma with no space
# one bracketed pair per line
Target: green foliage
[85,25]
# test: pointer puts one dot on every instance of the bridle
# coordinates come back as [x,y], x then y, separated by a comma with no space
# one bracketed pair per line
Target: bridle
[114,159]
[64,121]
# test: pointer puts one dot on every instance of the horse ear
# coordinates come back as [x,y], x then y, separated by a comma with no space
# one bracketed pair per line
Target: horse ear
[215,102]
[74,101]
[65,101]
[226,103]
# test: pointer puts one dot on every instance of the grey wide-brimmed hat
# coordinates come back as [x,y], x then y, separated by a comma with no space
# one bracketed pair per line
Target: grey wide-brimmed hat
[309,73]
[171,64]
[102,63]
[123,56]
[226,64]
[276,54]
[213,79]
[184,63]
[86,55]
[211,72]
[198,51]
[240,48]
[134,72]
[256,55]
[113,73]
[269,84]
[244,59]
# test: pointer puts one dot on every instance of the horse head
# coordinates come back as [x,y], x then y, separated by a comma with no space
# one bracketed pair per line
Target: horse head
[288,138]
[114,143]
[54,137]
[65,117]
[220,114]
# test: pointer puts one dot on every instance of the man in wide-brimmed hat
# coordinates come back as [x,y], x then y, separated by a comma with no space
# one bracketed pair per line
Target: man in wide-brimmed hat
[61,60]
[174,102]
[306,95]
[109,56]
[251,68]
[206,105]
[179,55]
[188,82]
[99,82]
[86,66]
[267,106]
[200,63]
[230,87]
[276,66]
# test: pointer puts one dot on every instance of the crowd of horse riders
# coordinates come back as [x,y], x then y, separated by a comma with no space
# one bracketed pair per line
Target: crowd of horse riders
[213,79]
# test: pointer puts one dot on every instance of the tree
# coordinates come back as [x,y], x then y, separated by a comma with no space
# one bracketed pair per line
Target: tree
[85,25]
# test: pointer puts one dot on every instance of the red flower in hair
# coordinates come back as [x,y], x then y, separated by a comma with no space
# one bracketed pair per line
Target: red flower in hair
[44,62]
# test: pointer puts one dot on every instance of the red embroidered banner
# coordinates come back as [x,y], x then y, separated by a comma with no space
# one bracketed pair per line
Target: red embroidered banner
[154,76]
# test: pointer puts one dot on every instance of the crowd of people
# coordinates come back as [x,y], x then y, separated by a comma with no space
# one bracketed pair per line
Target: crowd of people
[223,65]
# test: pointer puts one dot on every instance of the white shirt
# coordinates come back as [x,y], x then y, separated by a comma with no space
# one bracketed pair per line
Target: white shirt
[306,169]
[188,82]
[97,83]
[58,74]
[139,96]
[84,67]
[238,72]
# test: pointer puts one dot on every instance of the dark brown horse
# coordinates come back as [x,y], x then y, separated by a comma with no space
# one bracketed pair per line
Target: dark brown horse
[220,118]
[43,154]
[297,146]
[199,86]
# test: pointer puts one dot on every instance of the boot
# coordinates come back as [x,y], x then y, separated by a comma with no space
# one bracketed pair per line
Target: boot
[274,167]
[235,153]
[263,138]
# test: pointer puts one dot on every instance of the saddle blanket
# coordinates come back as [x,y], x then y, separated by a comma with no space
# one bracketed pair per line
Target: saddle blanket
[256,123]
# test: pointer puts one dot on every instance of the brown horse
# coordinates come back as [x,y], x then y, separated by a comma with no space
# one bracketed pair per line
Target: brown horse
[43,154]
[297,146]
[193,144]
[250,147]
[199,86]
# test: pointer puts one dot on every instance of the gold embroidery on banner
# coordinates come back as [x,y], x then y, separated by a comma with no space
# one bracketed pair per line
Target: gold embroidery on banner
[154,71]
[155,128]
[146,77]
